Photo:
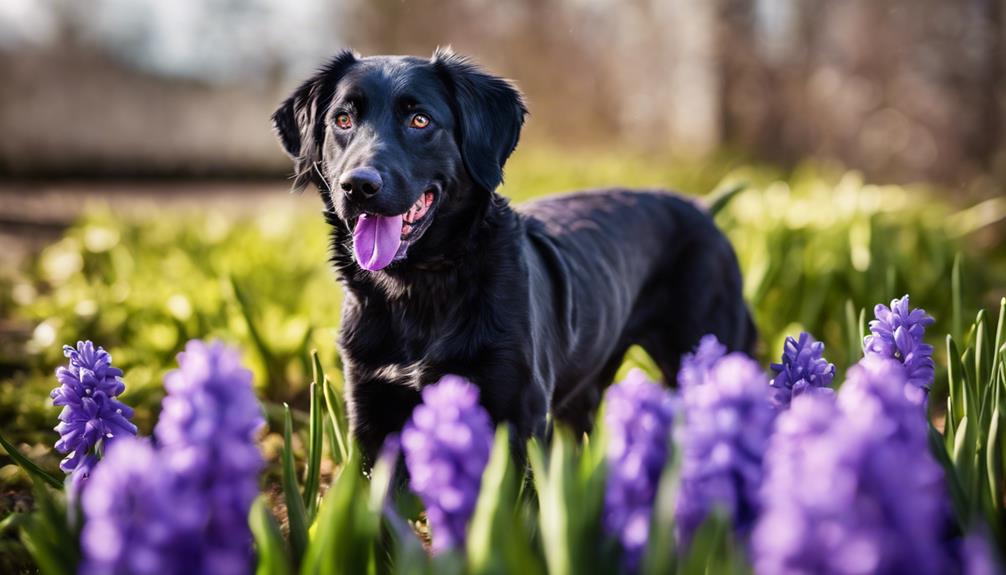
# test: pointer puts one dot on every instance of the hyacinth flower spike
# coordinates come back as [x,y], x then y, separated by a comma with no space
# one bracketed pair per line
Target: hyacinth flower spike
[447,443]
[728,421]
[695,365]
[850,485]
[129,509]
[207,432]
[182,506]
[92,416]
[897,333]
[638,417]
[802,369]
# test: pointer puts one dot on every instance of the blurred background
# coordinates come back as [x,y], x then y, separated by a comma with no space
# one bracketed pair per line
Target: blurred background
[143,197]
[904,90]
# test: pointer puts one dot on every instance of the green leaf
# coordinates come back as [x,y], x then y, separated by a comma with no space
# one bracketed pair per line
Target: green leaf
[570,497]
[956,296]
[661,550]
[963,456]
[381,477]
[273,367]
[855,328]
[551,508]
[854,338]
[30,467]
[987,405]
[49,537]
[958,497]
[983,359]
[346,530]
[316,435]
[956,381]
[339,430]
[719,198]
[992,462]
[713,549]
[296,514]
[949,426]
[999,336]
[970,385]
[862,327]
[13,521]
[333,442]
[269,546]
[497,541]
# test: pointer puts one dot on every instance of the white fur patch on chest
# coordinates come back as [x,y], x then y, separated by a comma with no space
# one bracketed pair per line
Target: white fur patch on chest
[409,375]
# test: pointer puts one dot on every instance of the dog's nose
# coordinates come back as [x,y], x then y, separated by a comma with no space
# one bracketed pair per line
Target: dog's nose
[360,183]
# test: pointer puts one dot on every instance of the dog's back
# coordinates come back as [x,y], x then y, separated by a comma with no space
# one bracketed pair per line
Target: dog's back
[623,267]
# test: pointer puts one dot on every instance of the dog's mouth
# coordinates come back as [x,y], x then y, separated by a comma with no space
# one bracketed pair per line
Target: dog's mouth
[379,240]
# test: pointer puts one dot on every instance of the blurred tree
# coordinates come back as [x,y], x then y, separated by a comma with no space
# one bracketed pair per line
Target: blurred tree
[902,89]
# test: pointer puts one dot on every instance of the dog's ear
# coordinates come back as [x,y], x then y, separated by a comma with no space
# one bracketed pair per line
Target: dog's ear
[490,112]
[300,120]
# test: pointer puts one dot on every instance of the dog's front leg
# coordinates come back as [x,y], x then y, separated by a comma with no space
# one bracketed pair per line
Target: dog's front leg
[377,408]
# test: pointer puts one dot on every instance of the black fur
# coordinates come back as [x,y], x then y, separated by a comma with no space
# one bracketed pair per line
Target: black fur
[535,305]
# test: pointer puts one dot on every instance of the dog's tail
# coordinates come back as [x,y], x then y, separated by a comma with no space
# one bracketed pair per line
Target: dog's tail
[719,198]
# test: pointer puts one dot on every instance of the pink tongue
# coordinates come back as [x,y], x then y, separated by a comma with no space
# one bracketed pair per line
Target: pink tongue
[376,240]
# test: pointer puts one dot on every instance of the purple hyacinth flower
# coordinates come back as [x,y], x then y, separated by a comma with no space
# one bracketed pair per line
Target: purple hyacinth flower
[850,485]
[728,420]
[802,369]
[898,333]
[182,507]
[638,414]
[91,414]
[695,365]
[207,439]
[447,442]
[868,388]
[129,509]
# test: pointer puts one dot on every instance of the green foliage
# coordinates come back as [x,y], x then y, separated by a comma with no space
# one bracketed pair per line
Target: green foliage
[312,475]
[817,252]
[49,534]
[346,531]
[811,244]
[714,550]
[498,540]
[661,551]
[273,558]
[974,429]
[570,486]
[33,470]
[295,509]
[808,244]
[141,288]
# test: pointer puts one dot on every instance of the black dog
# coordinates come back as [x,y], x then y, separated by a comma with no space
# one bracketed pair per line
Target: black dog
[536,306]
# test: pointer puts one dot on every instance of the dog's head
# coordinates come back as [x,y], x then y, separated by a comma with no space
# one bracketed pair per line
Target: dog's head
[402,149]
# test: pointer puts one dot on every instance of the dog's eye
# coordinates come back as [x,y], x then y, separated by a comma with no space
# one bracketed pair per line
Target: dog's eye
[420,121]
[343,121]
